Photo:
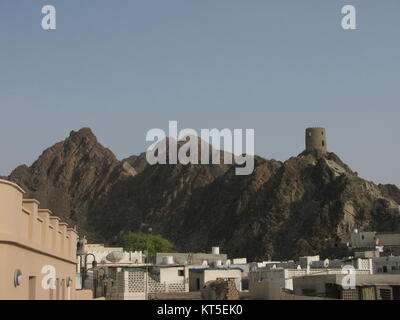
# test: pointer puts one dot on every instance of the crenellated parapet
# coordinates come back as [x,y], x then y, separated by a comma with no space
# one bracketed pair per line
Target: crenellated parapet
[22,222]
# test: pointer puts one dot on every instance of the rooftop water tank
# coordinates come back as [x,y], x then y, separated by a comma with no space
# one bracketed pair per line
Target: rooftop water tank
[168,260]
[215,250]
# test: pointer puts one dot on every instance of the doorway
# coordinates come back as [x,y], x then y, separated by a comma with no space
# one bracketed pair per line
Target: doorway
[32,288]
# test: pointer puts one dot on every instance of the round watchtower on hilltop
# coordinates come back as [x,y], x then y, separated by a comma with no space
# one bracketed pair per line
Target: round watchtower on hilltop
[316,140]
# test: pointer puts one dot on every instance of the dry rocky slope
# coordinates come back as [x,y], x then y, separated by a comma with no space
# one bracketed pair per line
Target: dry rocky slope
[305,205]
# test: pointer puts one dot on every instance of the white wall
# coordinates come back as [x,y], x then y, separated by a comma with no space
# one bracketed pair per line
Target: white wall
[362,239]
[378,264]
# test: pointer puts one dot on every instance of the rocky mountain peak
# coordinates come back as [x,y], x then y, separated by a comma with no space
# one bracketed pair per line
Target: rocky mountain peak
[72,174]
[83,133]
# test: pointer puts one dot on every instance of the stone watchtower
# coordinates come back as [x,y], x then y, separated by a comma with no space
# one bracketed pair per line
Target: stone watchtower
[316,140]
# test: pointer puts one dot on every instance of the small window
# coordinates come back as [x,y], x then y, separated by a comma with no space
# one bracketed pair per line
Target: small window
[384,269]
[181,273]
[323,143]
[362,237]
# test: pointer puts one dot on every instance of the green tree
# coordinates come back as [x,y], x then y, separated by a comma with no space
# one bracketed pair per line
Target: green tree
[152,243]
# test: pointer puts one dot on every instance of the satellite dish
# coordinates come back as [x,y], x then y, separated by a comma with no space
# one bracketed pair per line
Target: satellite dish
[326,263]
[115,256]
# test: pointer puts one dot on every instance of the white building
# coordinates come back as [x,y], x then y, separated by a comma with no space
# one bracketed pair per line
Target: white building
[372,239]
[390,264]
[140,283]
[100,253]
[104,256]
[362,239]
[268,283]
[306,261]
[214,258]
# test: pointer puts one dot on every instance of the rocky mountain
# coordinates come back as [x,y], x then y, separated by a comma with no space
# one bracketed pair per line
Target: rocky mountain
[71,176]
[305,205]
[139,163]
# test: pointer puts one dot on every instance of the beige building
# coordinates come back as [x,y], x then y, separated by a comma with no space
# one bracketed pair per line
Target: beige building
[37,250]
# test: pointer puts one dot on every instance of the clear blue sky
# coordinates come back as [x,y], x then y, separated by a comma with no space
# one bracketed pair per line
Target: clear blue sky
[124,67]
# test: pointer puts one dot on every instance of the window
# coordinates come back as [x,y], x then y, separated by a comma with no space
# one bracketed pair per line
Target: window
[181,273]
[323,143]
[385,294]
[384,269]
